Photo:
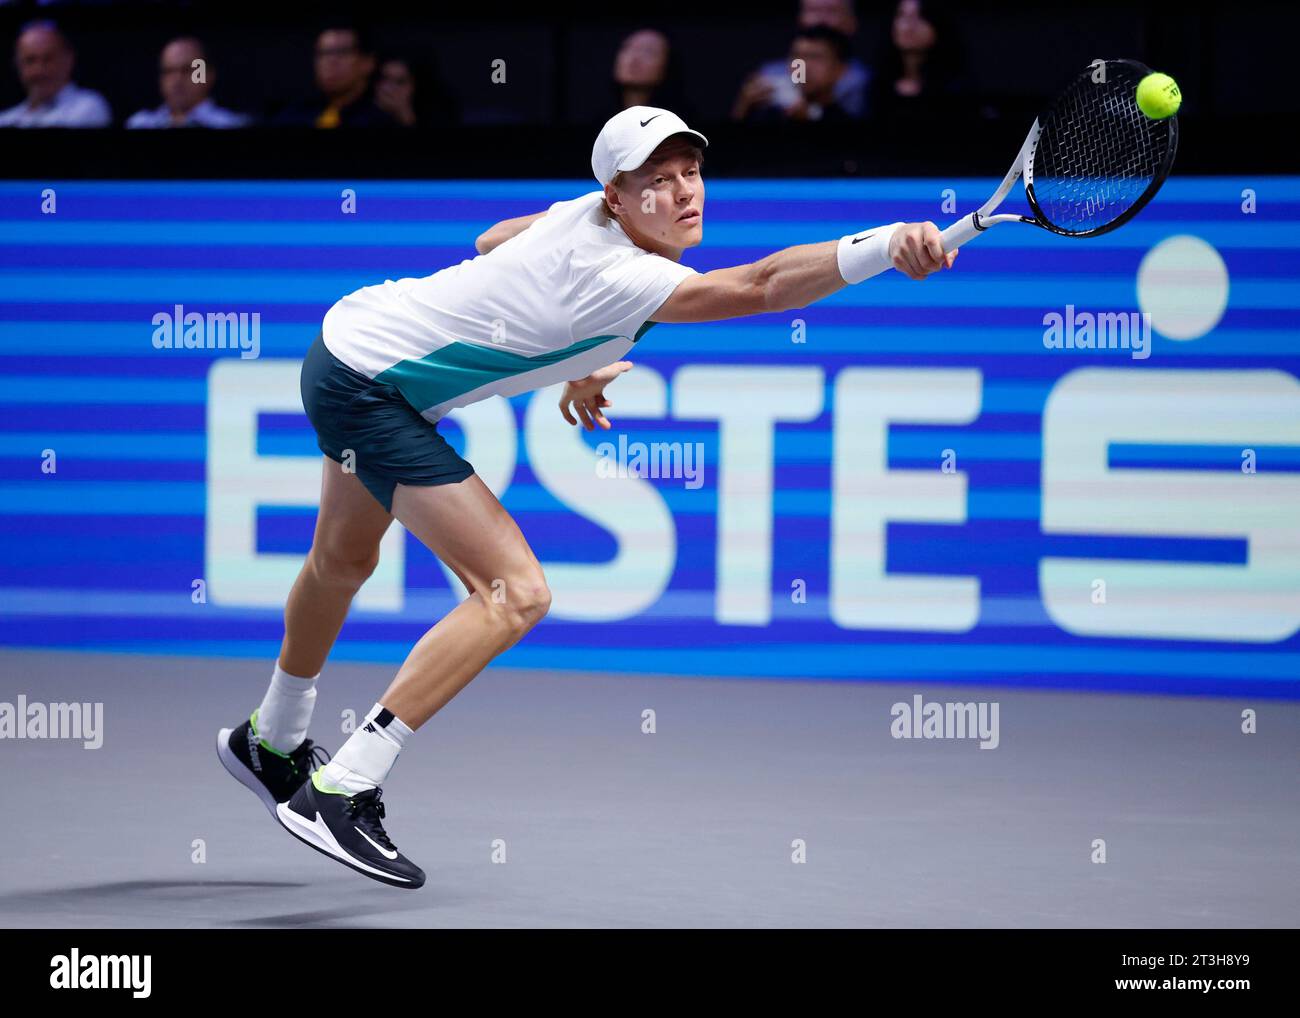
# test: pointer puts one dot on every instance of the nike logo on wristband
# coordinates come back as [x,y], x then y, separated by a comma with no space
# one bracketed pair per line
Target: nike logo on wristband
[657,115]
[867,237]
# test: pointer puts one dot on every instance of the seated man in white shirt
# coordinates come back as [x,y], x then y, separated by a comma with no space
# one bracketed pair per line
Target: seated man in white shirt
[44,58]
[185,79]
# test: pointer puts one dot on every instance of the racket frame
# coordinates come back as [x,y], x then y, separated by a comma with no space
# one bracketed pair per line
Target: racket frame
[981,219]
[971,226]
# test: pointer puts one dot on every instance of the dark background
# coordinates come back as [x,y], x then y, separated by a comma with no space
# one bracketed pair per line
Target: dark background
[1228,59]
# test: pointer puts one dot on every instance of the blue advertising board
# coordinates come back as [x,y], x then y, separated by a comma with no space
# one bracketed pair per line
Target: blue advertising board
[1069,464]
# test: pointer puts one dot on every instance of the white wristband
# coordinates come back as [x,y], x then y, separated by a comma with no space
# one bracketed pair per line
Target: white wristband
[866,253]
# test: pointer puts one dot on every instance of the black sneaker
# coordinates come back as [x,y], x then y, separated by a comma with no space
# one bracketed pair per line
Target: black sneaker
[347,828]
[269,774]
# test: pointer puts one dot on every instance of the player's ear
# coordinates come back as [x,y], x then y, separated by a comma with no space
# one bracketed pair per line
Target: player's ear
[613,204]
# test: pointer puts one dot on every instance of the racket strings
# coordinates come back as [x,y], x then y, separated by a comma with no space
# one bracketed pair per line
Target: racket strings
[1097,154]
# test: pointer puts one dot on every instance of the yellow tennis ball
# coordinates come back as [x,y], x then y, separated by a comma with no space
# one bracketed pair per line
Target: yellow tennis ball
[1158,96]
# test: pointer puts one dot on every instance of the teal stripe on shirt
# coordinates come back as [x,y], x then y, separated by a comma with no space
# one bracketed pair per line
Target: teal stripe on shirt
[459,368]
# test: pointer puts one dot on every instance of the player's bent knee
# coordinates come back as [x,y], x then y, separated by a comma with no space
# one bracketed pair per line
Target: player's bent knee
[537,601]
[342,567]
[521,603]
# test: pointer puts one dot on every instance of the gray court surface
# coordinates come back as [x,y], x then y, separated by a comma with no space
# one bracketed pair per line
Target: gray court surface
[694,825]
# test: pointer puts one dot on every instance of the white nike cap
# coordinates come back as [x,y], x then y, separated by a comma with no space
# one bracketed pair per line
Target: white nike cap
[628,138]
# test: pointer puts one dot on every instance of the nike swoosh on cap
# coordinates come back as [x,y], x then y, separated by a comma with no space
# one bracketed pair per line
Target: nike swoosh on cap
[644,122]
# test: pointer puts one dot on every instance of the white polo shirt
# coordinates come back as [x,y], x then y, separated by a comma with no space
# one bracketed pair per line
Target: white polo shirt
[70,107]
[568,295]
[205,114]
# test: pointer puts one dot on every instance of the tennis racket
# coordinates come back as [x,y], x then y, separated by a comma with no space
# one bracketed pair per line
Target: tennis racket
[1090,163]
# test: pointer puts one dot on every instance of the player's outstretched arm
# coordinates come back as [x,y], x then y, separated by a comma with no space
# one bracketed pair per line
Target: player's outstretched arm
[798,276]
[503,231]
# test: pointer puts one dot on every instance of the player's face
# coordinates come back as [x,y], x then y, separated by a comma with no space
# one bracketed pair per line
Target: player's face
[665,199]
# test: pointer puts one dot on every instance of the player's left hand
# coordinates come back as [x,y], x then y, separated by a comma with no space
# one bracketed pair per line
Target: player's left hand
[587,395]
[916,249]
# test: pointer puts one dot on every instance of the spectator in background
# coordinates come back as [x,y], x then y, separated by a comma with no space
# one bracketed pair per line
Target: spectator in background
[45,59]
[919,67]
[345,61]
[646,74]
[773,84]
[822,54]
[412,92]
[185,79]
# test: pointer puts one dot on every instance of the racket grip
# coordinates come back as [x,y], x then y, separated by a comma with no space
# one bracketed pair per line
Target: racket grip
[959,233]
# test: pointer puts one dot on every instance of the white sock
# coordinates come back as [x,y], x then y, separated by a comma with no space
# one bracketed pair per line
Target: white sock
[369,754]
[282,719]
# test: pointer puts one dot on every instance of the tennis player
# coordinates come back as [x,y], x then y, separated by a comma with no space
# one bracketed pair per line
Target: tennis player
[559,296]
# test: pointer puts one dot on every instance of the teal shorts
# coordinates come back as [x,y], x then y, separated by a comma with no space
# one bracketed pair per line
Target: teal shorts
[370,426]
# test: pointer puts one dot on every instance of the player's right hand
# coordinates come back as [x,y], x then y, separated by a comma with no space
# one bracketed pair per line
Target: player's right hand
[916,249]
[588,396]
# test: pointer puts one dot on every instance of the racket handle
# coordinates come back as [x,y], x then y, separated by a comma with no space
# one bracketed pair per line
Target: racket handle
[960,232]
